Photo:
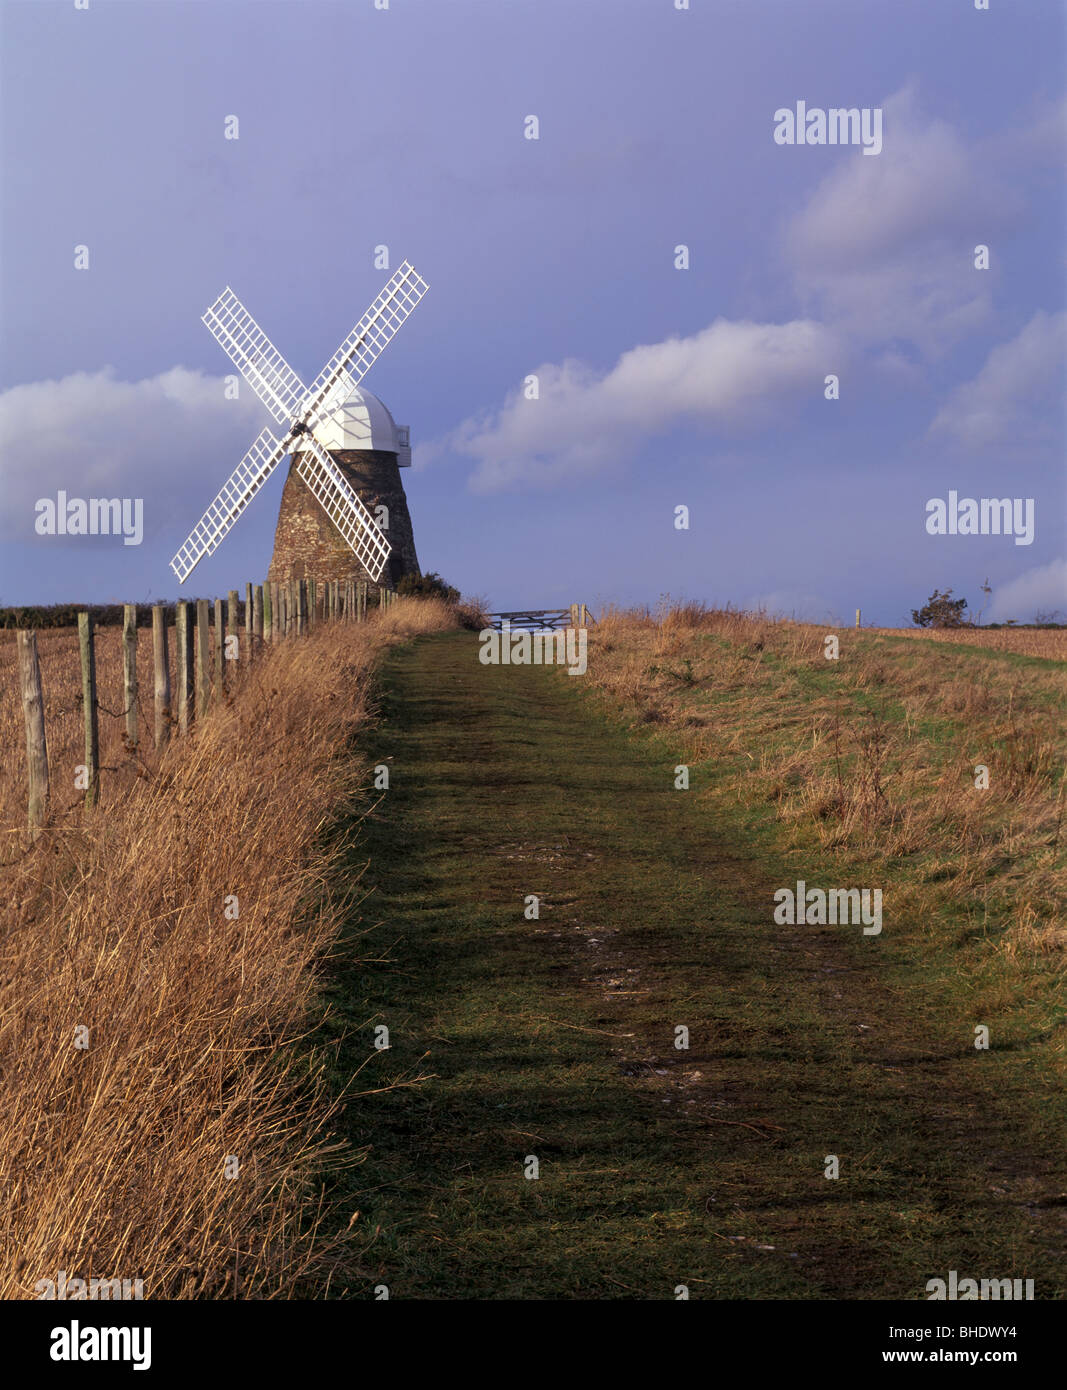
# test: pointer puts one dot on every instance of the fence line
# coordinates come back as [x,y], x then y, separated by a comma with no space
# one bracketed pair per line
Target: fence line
[36,747]
[272,612]
[161,671]
[87,650]
[129,672]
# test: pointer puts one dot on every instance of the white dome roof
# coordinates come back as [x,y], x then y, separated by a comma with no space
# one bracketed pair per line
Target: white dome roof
[359,420]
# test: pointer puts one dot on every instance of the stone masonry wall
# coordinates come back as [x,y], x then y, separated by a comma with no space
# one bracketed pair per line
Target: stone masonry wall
[307,545]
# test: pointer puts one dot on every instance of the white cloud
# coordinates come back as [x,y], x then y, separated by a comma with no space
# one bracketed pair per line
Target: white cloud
[727,374]
[170,439]
[885,246]
[882,258]
[1040,590]
[1012,400]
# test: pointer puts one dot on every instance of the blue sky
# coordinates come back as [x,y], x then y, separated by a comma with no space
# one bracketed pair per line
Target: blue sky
[659,387]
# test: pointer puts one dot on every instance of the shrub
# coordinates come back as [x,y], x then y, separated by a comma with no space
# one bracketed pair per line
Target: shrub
[427,586]
[940,610]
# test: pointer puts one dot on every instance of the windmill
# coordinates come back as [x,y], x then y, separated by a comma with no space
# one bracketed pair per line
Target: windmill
[325,424]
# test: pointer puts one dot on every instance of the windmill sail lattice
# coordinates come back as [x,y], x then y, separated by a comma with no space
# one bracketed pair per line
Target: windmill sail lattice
[302,411]
[368,340]
[255,357]
[342,505]
[238,490]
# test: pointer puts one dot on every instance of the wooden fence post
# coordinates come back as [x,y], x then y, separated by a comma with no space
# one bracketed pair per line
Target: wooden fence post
[232,615]
[220,650]
[283,600]
[301,607]
[312,603]
[87,648]
[268,612]
[248,618]
[161,669]
[129,672]
[36,747]
[857,617]
[183,632]
[203,659]
[257,619]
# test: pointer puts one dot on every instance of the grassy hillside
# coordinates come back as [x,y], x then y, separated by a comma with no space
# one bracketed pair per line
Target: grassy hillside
[555,1038]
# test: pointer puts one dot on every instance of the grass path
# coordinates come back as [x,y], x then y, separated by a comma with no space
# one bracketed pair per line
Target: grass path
[555,1037]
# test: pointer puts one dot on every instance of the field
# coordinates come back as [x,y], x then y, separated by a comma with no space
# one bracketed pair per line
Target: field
[1050,643]
[159,962]
[555,1038]
[533,1130]
[873,755]
[61,684]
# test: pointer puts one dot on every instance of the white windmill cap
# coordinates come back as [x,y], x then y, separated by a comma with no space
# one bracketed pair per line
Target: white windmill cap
[360,420]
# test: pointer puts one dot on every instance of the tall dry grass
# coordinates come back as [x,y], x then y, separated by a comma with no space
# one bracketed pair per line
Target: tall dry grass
[61,685]
[1047,642]
[872,756]
[114,1155]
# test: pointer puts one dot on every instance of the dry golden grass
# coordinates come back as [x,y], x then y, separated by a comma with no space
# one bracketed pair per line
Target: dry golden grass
[61,683]
[1048,642]
[873,756]
[113,1162]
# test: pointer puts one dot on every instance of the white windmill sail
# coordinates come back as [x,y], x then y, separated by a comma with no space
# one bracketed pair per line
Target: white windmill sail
[238,490]
[255,357]
[365,344]
[300,409]
[343,506]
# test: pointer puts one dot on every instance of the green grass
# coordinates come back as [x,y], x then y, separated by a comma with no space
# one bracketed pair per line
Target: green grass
[554,1037]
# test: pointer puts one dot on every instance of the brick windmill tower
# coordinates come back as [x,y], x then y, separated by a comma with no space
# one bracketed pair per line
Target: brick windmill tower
[369,449]
[344,514]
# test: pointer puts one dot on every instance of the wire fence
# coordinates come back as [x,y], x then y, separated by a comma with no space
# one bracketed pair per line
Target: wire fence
[197,648]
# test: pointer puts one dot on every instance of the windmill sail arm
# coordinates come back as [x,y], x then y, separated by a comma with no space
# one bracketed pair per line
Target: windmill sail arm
[365,344]
[238,490]
[343,506]
[255,356]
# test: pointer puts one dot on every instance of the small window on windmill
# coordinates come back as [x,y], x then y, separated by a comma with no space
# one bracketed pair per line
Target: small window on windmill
[403,436]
